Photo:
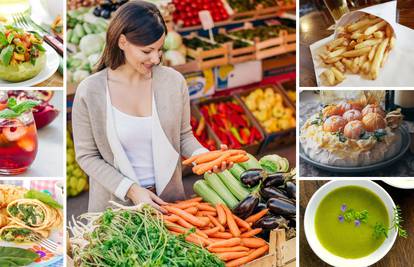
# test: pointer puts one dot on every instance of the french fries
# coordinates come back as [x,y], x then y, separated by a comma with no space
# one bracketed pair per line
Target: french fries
[361,47]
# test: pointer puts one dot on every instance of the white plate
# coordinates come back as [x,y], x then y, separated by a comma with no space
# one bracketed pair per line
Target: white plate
[52,64]
[402,183]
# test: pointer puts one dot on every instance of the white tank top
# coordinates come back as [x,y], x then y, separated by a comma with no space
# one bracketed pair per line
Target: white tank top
[135,135]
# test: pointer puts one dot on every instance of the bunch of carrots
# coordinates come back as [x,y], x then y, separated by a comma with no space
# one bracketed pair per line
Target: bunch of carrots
[217,229]
[206,161]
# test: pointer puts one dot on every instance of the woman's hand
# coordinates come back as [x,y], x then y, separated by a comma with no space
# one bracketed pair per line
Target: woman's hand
[139,194]
[224,166]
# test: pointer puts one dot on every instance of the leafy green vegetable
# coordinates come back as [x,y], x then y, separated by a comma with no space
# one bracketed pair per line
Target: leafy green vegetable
[274,163]
[45,198]
[11,256]
[397,221]
[352,215]
[10,38]
[15,109]
[3,39]
[6,55]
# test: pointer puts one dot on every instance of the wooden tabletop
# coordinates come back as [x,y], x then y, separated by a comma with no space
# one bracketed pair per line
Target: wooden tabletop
[401,253]
[314,27]
[55,81]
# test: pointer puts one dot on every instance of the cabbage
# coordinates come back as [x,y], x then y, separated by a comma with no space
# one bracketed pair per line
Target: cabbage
[80,75]
[173,40]
[91,44]
[23,71]
[274,163]
[174,57]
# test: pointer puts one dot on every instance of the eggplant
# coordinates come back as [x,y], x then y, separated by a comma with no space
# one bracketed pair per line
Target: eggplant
[274,179]
[291,189]
[271,222]
[269,192]
[246,207]
[281,207]
[259,207]
[252,177]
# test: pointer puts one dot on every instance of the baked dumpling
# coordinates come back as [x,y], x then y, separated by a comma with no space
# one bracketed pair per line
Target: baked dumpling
[352,115]
[373,108]
[354,129]
[331,110]
[373,121]
[334,124]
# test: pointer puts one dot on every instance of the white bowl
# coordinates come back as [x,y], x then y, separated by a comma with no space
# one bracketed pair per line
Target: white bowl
[402,183]
[324,254]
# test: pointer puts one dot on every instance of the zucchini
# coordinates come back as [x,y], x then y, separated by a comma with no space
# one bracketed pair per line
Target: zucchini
[217,185]
[236,187]
[252,163]
[237,171]
[87,28]
[79,31]
[203,190]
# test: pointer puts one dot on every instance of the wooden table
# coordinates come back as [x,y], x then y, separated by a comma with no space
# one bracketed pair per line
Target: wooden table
[314,27]
[401,253]
[55,81]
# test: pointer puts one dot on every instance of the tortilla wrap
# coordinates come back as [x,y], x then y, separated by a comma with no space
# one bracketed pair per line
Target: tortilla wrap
[9,193]
[44,217]
[29,234]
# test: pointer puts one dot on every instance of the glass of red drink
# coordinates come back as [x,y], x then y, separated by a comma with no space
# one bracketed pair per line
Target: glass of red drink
[18,143]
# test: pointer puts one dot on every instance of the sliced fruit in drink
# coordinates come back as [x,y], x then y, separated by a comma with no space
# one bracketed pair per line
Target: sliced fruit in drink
[28,144]
[14,133]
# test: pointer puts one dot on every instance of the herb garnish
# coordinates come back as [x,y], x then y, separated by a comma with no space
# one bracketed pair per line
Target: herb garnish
[318,120]
[15,109]
[358,217]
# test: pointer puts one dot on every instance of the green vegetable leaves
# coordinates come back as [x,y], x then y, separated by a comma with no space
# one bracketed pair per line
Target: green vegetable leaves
[6,54]
[15,109]
[353,215]
[3,39]
[45,198]
[10,256]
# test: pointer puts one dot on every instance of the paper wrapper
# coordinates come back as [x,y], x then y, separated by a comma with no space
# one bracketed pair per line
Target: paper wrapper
[399,67]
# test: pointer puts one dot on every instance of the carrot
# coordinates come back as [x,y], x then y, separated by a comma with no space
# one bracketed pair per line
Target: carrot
[206,207]
[206,220]
[191,210]
[226,243]
[255,217]
[216,223]
[184,206]
[252,242]
[221,214]
[236,248]
[198,240]
[251,232]
[184,223]
[170,218]
[191,159]
[211,231]
[254,255]
[175,227]
[204,167]
[236,158]
[231,223]
[224,235]
[205,212]
[240,222]
[215,239]
[226,256]
[208,156]
[196,199]
[185,215]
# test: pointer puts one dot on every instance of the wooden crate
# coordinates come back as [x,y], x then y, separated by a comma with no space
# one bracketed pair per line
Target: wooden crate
[252,149]
[282,253]
[239,55]
[258,13]
[290,42]
[274,139]
[210,58]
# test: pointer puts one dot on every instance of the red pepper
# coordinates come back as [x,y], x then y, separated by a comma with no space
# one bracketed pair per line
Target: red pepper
[213,108]
[217,120]
[233,141]
[236,134]
[221,135]
[205,111]
[235,107]
[222,108]
[256,133]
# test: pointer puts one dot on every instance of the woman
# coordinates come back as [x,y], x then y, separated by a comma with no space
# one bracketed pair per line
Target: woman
[131,119]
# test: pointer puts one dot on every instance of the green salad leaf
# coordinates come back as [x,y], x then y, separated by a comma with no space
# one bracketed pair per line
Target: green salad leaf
[6,55]
[3,39]
[11,256]
[45,198]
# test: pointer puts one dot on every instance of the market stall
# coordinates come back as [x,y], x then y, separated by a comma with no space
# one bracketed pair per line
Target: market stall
[241,81]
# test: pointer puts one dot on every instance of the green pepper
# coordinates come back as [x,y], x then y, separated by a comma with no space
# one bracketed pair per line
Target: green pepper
[20,49]
[6,54]
[41,48]
[236,134]
[3,39]
[10,38]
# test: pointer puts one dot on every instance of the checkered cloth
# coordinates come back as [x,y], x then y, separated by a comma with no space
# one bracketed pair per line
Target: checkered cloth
[48,186]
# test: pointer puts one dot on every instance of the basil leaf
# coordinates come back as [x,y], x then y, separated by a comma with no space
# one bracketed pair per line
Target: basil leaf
[6,55]
[24,106]
[12,256]
[11,102]
[45,198]
[8,114]
[3,39]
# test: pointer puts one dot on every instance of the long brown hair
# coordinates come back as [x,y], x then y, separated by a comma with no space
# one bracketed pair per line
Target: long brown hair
[142,24]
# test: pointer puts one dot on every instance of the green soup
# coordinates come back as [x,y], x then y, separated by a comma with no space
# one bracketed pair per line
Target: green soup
[337,229]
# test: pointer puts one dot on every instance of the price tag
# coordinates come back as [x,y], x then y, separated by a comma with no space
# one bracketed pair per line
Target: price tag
[206,19]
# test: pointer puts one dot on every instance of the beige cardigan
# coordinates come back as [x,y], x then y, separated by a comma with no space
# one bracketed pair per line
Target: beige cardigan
[98,149]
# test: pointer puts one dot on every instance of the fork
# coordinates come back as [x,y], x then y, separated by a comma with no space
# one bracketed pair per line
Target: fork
[26,22]
[48,244]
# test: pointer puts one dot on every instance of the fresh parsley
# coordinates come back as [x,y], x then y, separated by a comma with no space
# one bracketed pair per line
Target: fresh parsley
[15,109]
